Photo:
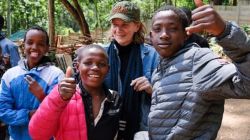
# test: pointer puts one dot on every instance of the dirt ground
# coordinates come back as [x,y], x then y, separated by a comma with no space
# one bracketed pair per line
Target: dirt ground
[236,121]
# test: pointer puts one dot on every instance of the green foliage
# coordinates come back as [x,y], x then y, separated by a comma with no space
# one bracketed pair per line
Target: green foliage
[246,28]
[62,30]
[186,3]
[26,13]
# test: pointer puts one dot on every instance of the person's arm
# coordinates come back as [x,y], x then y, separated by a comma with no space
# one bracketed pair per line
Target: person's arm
[8,114]
[213,77]
[219,80]
[13,52]
[45,122]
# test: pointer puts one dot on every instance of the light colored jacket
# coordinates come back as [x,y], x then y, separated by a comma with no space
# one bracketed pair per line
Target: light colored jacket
[190,89]
[16,101]
[65,120]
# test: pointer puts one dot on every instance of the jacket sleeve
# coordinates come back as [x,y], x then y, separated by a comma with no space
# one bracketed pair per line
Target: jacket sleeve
[217,79]
[45,122]
[9,114]
[10,48]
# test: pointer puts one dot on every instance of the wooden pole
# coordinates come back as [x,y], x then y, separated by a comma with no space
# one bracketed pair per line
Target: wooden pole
[51,9]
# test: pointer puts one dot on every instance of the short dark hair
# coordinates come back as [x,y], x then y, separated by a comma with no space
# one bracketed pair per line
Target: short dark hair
[39,29]
[1,22]
[182,16]
[188,12]
[80,50]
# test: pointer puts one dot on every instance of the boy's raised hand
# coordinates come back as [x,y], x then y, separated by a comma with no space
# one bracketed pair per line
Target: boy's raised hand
[206,19]
[67,86]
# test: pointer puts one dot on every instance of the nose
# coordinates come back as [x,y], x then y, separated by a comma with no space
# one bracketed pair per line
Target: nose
[95,67]
[164,35]
[34,46]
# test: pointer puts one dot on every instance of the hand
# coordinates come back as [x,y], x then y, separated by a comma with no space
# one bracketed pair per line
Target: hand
[67,86]
[6,59]
[205,18]
[35,88]
[141,84]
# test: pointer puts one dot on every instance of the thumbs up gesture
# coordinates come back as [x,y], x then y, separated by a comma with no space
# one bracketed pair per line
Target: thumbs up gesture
[67,87]
[206,19]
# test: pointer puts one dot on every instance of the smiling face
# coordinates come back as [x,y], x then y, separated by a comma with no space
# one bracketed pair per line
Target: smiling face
[123,32]
[167,33]
[35,47]
[93,67]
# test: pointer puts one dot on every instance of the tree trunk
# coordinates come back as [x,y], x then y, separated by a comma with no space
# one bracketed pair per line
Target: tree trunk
[78,15]
[9,18]
[51,11]
[234,2]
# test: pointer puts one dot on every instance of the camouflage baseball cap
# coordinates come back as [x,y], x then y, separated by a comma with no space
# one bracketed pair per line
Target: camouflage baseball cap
[126,11]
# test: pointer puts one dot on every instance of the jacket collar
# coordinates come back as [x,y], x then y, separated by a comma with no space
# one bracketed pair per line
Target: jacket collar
[24,65]
[108,94]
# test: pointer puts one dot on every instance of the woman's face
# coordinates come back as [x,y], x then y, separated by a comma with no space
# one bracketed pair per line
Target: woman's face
[35,47]
[93,68]
[123,32]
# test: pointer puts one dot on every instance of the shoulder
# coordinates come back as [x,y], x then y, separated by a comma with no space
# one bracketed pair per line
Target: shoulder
[55,69]
[193,49]
[14,71]
[148,50]
[147,47]
[53,72]
[12,74]
[7,42]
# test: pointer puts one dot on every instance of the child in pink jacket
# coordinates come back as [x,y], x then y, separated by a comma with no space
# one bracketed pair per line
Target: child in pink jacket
[87,110]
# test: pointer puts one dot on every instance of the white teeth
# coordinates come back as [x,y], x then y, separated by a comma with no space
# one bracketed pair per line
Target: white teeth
[95,76]
[34,54]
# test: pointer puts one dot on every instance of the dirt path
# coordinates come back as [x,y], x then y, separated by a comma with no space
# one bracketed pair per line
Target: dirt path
[236,121]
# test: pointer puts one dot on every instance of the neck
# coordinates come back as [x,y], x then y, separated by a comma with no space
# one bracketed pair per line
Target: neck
[122,45]
[96,91]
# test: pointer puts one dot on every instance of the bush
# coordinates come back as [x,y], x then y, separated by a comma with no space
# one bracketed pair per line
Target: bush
[246,28]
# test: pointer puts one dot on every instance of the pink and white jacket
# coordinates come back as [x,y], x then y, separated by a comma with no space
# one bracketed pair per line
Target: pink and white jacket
[63,120]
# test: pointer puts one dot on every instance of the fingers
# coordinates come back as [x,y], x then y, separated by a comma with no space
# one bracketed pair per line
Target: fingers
[202,12]
[142,84]
[138,81]
[205,18]
[67,84]
[198,26]
[67,87]
[29,79]
[69,72]
[198,3]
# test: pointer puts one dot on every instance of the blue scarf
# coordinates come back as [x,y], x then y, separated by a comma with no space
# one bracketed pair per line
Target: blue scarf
[131,99]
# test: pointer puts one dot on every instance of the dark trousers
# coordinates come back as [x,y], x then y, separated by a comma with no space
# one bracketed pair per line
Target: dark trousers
[3,130]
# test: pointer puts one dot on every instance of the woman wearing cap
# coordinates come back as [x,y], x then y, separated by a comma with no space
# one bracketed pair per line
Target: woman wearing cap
[131,65]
